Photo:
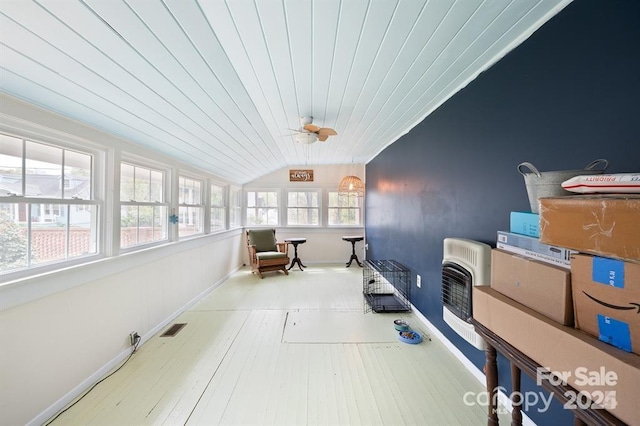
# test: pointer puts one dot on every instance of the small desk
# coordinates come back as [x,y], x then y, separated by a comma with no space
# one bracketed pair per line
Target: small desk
[353,239]
[521,362]
[296,259]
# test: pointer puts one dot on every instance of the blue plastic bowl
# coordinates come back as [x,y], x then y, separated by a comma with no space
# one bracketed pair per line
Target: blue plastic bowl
[411,337]
[401,325]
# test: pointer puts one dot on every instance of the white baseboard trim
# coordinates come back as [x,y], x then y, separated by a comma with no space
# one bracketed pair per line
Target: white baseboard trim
[102,372]
[479,375]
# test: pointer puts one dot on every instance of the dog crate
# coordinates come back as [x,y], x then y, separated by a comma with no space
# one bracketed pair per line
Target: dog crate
[386,286]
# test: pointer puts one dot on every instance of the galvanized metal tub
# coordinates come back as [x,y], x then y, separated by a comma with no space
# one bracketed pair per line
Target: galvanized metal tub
[549,184]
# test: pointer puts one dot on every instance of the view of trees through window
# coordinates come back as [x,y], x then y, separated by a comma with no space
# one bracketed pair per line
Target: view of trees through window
[262,208]
[344,209]
[303,208]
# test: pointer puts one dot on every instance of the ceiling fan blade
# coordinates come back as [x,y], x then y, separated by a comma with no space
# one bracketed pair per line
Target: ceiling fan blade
[322,137]
[312,128]
[327,131]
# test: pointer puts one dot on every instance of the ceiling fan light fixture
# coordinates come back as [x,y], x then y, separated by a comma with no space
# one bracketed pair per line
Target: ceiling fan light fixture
[310,133]
[350,184]
[306,138]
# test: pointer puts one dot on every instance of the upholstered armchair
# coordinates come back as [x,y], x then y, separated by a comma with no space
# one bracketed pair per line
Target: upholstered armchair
[265,253]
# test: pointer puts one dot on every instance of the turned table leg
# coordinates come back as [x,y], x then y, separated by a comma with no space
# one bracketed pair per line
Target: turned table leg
[491,371]
[516,396]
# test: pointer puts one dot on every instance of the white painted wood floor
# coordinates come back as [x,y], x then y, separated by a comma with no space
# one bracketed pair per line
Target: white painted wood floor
[285,350]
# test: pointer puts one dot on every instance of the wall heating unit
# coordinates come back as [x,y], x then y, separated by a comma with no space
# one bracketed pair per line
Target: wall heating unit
[465,264]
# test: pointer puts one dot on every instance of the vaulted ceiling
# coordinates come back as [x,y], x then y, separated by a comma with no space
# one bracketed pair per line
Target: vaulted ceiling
[218,84]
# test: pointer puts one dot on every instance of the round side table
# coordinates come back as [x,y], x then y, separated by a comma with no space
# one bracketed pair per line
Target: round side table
[296,259]
[353,239]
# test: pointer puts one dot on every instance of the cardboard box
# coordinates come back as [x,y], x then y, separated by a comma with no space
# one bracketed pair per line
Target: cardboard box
[606,295]
[603,225]
[525,223]
[542,287]
[563,349]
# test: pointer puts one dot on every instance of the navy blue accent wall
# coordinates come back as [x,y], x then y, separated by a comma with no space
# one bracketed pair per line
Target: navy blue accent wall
[568,95]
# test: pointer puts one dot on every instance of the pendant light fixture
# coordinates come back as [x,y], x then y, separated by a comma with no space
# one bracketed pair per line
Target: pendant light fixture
[350,184]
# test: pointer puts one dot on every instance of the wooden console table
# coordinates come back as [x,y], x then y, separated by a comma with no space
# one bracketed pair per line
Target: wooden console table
[521,362]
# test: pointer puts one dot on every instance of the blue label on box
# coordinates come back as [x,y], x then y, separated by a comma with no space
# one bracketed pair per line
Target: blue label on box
[608,271]
[614,332]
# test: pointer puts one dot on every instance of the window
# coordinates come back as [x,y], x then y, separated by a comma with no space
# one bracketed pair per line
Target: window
[344,209]
[47,207]
[235,208]
[190,207]
[262,208]
[143,210]
[218,207]
[303,208]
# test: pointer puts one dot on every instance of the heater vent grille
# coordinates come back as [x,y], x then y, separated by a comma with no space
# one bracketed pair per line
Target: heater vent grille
[173,330]
[465,264]
[456,289]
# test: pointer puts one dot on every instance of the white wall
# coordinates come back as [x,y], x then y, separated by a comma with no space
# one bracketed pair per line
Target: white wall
[55,346]
[63,330]
[324,244]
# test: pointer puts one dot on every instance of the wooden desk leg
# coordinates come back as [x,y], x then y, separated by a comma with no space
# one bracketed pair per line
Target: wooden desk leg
[491,372]
[516,396]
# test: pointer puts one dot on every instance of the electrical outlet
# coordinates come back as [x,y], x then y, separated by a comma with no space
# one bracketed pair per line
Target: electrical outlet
[133,338]
[419,281]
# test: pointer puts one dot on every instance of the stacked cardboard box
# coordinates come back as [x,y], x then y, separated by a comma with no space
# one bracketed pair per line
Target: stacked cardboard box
[597,370]
[542,287]
[605,275]
[606,295]
[531,304]
[530,272]
[602,225]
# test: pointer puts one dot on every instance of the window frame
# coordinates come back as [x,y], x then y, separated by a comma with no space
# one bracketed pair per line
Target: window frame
[219,207]
[235,207]
[152,166]
[25,203]
[318,208]
[277,208]
[359,214]
[201,206]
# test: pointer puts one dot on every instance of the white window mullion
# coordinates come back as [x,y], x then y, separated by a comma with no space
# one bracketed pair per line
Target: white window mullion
[24,168]
[68,226]
[111,222]
[29,234]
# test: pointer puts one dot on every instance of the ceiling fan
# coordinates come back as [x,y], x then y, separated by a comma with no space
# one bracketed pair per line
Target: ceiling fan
[310,133]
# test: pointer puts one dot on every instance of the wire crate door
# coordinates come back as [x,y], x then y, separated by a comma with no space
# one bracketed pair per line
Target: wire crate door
[386,286]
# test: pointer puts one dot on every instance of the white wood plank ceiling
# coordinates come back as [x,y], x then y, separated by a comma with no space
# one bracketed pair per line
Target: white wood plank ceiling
[218,84]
